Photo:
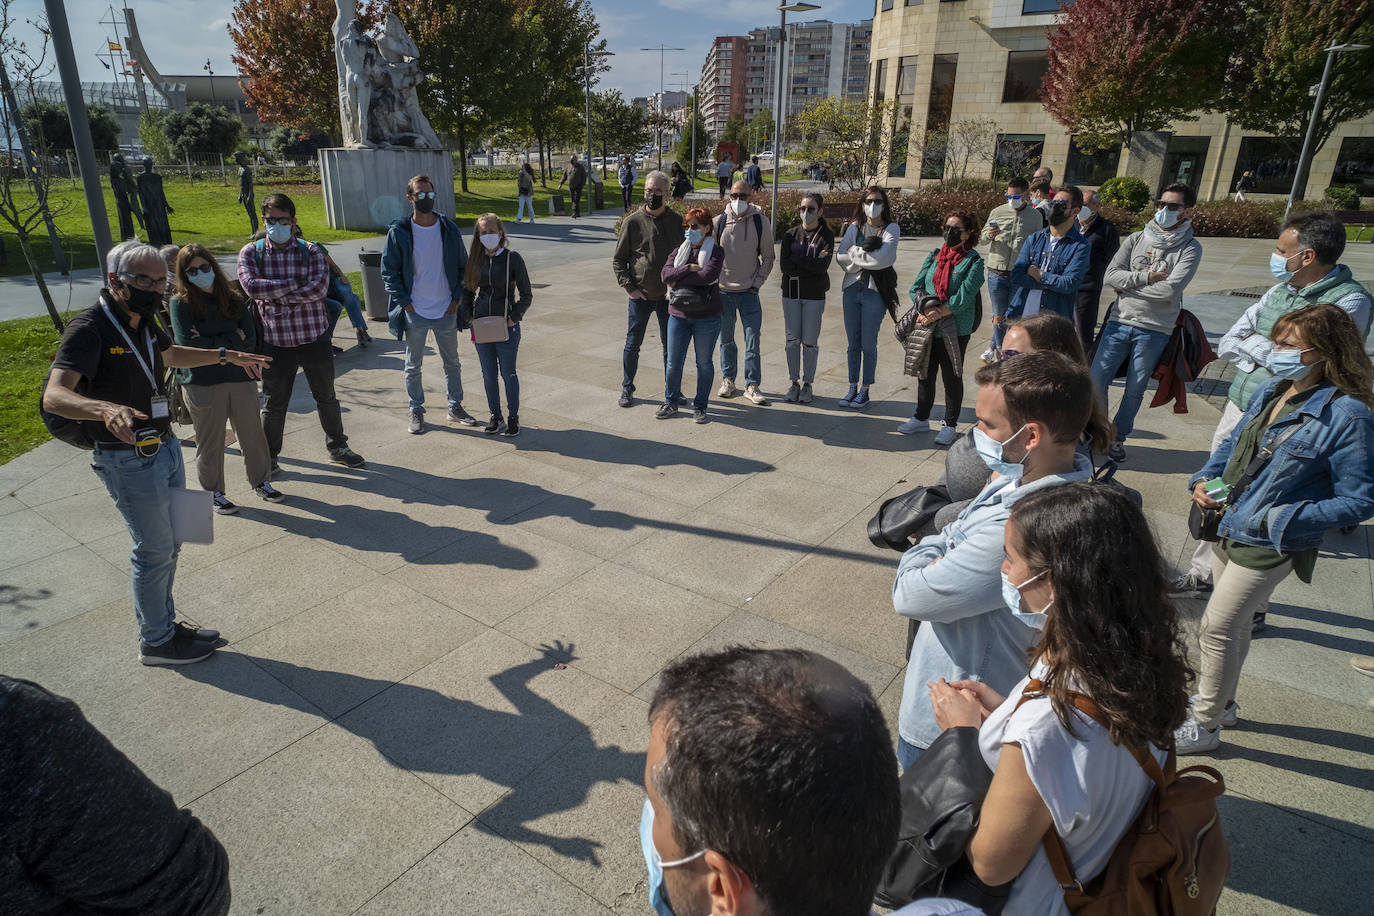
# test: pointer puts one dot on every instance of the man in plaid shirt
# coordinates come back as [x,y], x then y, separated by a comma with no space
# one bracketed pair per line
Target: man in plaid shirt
[289,278]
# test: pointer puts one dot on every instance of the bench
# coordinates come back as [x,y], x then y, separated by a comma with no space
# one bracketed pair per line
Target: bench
[1362,218]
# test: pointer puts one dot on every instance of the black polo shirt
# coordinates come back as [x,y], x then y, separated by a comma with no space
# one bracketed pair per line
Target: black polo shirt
[93,346]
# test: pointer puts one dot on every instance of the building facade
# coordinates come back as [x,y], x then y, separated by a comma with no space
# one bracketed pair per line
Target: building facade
[947,63]
[721,89]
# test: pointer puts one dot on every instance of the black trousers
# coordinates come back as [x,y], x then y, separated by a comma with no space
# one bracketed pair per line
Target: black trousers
[1085,311]
[576,191]
[625,193]
[316,359]
[954,384]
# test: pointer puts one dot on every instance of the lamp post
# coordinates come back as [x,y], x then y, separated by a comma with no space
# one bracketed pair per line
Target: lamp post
[587,55]
[661,49]
[779,114]
[1300,177]
[692,170]
[209,70]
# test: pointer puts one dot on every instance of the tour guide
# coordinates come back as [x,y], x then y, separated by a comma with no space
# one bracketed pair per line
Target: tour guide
[118,350]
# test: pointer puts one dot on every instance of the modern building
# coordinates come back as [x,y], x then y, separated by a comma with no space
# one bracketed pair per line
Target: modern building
[947,63]
[739,79]
[668,101]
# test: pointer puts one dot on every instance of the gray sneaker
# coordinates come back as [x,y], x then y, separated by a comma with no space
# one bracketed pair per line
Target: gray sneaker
[461,417]
[794,393]
[417,422]
[805,396]
[1191,738]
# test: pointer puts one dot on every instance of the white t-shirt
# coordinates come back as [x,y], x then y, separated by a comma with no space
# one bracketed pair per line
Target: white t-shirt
[1093,788]
[1033,297]
[429,290]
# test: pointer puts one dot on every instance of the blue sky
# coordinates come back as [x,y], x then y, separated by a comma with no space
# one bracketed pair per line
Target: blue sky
[181,34]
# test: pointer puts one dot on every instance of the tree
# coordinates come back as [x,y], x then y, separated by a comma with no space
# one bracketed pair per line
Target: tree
[705,143]
[857,131]
[48,120]
[284,51]
[968,141]
[203,128]
[736,131]
[617,126]
[1119,66]
[1281,54]
[761,130]
[296,144]
[152,133]
[551,38]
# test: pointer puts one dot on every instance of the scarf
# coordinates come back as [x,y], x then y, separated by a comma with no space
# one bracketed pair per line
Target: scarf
[684,252]
[944,266]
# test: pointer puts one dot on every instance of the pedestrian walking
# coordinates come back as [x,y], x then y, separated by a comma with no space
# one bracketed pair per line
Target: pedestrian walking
[626,176]
[576,176]
[524,189]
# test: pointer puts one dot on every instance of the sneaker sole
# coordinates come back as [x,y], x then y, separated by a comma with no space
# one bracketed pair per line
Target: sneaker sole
[510,435]
[154,661]
[231,511]
[1201,749]
[344,463]
[280,497]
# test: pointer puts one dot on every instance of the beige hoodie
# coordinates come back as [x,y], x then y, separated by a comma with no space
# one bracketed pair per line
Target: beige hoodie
[748,259]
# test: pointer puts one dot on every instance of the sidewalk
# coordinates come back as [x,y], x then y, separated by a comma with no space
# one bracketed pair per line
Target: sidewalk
[437,680]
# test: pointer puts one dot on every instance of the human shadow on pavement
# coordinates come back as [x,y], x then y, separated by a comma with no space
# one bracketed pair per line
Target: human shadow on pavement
[608,448]
[428,732]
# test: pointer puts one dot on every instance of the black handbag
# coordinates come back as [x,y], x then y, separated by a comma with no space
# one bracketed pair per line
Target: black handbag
[942,797]
[904,515]
[690,300]
[1203,523]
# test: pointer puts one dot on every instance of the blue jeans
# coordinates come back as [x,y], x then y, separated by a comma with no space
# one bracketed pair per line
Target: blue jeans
[445,329]
[1118,343]
[639,311]
[750,311]
[342,298]
[139,487]
[999,292]
[907,753]
[701,333]
[863,316]
[498,364]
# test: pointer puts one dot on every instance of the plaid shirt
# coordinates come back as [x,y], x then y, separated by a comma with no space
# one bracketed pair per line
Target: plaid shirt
[290,291]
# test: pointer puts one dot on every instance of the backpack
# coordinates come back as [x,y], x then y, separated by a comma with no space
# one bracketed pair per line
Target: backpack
[1172,860]
[758,229]
[72,432]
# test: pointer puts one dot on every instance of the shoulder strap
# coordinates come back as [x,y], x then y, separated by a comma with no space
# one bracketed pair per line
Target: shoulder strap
[758,230]
[258,247]
[1263,456]
[720,228]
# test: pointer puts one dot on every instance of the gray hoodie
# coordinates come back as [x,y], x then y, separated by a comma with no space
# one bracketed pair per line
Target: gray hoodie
[1140,303]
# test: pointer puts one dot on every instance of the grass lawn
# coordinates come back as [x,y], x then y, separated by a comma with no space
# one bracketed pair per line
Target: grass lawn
[27,346]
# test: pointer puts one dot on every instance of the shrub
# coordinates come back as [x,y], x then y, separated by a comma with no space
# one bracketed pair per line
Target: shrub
[1228,219]
[1343,198]
[1125,191]
[1124,220]
[924,212]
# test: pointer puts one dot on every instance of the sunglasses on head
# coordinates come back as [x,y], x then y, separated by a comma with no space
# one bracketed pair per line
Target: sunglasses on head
[1167,205]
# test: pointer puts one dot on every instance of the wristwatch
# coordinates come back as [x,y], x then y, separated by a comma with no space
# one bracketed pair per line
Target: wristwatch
[224,356]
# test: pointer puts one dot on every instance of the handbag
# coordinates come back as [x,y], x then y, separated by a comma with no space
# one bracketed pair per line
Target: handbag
[493,328]
[177,410]
[1203,523]
[690,300]
[904,515]
[942,797]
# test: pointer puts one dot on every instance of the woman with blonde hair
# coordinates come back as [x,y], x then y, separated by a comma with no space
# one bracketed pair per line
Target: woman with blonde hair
[496,285]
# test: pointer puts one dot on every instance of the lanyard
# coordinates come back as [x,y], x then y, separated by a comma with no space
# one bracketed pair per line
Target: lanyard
[146,366]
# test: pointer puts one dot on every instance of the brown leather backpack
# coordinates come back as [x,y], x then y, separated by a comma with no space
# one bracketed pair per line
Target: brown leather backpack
[1173,859]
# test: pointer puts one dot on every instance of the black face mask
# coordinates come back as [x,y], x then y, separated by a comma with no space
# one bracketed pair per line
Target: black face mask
[654,201]
[953,237]
[1059,212]
[424,206]
[143,302]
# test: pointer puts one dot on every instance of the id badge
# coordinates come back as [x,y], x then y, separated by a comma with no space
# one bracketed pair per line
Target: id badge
[159,409]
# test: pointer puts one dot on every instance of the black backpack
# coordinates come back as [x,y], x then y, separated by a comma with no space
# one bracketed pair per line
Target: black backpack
[72,432]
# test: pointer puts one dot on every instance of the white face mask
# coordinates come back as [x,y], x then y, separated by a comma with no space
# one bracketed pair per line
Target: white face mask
[873,210]
[490,240]
[741,207]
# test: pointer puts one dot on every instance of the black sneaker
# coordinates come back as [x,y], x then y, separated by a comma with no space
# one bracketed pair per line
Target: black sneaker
[494,426]
[203,633]
[1191,586]
[364,338]
[666,410]
[347,457]
[223,505]
[512,427]
[461,417]
[627,395]
[1117,452]
[181,649]
[1257,624]
[699,416]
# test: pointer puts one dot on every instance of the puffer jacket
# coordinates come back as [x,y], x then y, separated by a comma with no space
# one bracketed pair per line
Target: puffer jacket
[916,339]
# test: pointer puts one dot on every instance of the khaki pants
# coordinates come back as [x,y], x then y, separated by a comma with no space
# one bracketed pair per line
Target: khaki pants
[211,406]
[1201,566]
[1224,637]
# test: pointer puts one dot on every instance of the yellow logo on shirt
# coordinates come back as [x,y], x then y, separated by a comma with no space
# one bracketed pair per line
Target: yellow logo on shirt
[118,351]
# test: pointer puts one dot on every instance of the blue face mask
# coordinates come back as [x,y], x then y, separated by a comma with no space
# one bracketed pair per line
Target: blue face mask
[990,450]
[1278,266]
[1287,363]
[203,278]
[655,863]
[693,236]
[279,233]
[1011,594]
[1166,218]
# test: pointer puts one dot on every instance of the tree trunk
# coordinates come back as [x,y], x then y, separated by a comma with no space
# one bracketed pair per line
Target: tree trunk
[463,153]
[37,272]
[543,171]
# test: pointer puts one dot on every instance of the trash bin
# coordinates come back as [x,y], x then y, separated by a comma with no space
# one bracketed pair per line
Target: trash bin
[556,205]
[374,292]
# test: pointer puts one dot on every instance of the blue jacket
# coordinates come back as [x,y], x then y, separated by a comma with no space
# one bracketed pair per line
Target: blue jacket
[968,632]
[1059,282]
[1321,477]
[398,267]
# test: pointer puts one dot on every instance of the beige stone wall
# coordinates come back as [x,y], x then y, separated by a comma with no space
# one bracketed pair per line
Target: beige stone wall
[967,29]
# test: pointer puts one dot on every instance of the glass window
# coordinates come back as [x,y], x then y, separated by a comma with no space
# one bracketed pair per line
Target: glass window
[887,5]
[942,74]
[1273,162]
[1032,7]
[1354,166]
[1018,155]
[880,80]
[1025,72]
[1184,161]
[1091,168]
[906,78]
[914,3]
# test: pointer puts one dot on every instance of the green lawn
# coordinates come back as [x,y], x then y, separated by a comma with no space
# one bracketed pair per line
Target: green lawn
[27,347]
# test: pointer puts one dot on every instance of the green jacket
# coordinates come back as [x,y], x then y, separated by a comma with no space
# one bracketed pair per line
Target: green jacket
[210,333]
[964,283]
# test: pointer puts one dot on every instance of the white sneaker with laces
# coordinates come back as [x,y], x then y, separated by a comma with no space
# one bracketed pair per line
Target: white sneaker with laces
[990,355]
[727,388]
[1230,716]
[946,435]
[913,426]
[1191,738]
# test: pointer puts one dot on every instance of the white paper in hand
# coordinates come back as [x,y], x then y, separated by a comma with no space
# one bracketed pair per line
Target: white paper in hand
[192,516]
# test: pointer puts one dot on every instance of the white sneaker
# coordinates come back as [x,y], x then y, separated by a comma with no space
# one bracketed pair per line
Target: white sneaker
[990,355]
[1191,738]
[727,388]
[755,396]
[1230,716]
[946,435]
[913,426]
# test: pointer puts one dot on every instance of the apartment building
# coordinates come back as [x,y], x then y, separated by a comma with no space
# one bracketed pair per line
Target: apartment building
[947,62]
[722,85]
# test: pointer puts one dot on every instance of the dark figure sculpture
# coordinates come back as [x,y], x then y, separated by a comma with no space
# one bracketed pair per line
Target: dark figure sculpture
[155,206]
[126,196]
[246,192]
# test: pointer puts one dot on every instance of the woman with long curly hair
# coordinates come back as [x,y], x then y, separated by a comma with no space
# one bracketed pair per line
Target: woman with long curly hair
[1081,564]
[1315,418]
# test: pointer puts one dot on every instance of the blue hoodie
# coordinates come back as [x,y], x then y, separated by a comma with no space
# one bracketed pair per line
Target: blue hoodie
[398,267]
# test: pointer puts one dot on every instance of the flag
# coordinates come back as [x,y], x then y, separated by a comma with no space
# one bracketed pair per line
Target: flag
[102,62]
[113,46]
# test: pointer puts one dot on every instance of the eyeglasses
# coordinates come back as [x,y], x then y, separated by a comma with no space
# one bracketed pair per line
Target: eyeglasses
[1008,354]
[142,281]
[1168,205]
[197,271]
[734,196]
[424,195]
[277,220]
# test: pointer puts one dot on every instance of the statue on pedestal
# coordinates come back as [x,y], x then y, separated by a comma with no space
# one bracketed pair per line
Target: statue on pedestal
[155,206]
[246,192]
[126,196]
[377,79]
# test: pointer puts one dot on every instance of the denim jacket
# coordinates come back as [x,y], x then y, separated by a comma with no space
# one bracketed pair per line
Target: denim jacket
[1321,477]
[1060,278]
[967,631]
[398,267]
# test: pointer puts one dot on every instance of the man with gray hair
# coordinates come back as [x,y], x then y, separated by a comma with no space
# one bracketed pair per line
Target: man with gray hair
[1103,241]
[648,238]
[108,375]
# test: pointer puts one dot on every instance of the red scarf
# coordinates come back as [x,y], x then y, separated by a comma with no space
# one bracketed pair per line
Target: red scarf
[944,267]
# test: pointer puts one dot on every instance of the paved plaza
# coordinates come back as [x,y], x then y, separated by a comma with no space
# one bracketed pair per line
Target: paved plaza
[435,690]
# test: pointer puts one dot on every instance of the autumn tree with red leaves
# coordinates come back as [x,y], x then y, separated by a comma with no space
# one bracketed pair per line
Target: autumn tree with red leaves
[284,51]
[1119,66]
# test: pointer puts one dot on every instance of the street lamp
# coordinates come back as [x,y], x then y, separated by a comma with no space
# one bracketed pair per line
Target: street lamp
[207,69]
[660,49]
[1303,164]
[779,114]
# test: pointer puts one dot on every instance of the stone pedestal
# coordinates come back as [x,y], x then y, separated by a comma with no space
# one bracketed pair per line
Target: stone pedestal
[365,189]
